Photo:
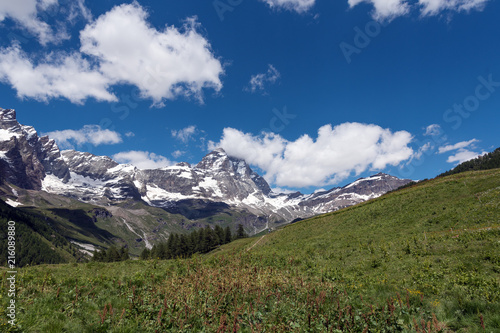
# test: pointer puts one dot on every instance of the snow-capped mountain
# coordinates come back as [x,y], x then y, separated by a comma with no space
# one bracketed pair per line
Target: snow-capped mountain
[32,162]
[25,158]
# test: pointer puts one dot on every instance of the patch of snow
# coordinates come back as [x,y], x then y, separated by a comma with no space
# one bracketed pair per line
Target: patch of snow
[126,168]
[154,193]
[79,180]
[14,191]
[209,183]
[85,247]
[185,174]
[12,203]
[3,156]
[6,135]
[363,180]
[30,131]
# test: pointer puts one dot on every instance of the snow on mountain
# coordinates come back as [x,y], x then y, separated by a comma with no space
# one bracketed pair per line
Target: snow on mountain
[31,162]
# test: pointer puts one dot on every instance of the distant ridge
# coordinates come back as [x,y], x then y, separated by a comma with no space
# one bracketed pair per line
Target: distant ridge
[484,162]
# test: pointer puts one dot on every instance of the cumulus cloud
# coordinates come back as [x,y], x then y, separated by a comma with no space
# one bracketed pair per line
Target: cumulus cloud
[92,134]
[120,47]
[58,75]
[162,64]
[432,130]
[300,6]
[259,81]
[142,159]
[333,156]
[184,134]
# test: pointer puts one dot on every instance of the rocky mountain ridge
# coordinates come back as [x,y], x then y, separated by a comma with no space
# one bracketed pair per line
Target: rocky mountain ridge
[36,163]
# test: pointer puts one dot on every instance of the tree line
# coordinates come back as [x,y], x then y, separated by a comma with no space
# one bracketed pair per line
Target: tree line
[112,254]
[484,162]
[198,241]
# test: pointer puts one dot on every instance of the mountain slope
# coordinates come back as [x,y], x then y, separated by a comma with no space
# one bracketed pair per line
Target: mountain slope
[438,239]
[420,259]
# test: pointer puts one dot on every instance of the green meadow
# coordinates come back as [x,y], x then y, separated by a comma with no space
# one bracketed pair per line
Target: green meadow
[425,258]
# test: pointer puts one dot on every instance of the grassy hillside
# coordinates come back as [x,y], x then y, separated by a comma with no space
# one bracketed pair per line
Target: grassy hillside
[425,256]
[440,239]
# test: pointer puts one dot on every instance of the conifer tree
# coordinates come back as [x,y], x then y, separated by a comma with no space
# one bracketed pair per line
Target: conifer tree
[240,232]
[227,235]
[124,253]
[145,254]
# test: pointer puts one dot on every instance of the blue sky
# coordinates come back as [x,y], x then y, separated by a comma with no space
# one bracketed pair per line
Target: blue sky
[312,93]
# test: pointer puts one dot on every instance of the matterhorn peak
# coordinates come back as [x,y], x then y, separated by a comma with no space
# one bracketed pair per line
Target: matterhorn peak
[219,150]
[216,159]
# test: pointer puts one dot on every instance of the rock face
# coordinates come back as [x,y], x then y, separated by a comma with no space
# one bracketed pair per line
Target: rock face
[25,158]
[218,181]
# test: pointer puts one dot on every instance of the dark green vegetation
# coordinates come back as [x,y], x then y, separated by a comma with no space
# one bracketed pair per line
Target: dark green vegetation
[36,240]
[485,162]
[427,255]
[112,254]
[198,241]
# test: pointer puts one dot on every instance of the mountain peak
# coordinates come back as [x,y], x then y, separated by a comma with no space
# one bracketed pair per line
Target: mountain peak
[8,120]
[219,150]
[7,114]
[216,159]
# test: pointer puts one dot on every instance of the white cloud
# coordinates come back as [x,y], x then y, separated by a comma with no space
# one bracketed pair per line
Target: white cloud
[79,8]
[58,75]
[25,12]
[456,146]
[385,9]
[178,153]
[92,134]
[434,7]
[142,159]
[299,6]
[463,155]
[130,134]
[259,81]
[417,155]
[30,15]
[334,155]
[464,151]
[120,47]
[184,134]
[162,64]
[432,130]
